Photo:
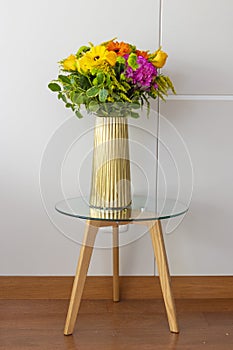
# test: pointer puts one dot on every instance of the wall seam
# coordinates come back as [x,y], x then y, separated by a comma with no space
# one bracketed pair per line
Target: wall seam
[158,120]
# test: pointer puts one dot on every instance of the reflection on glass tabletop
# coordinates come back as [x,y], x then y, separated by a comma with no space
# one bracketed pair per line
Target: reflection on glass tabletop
[142,208]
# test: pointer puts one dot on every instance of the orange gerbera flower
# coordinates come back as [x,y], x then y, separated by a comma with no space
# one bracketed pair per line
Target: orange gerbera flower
[121,49]
[142,53]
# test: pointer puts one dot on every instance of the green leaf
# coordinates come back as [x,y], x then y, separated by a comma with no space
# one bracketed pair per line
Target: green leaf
[132,61]
[84,82]
[72,80]
[82,50]
[72,94]
[102,113]
[64,79]
[78,114]
[134,115]
[93,91]
[68,105]
[121,59]
[54,87]
[135,105]
[103,94]
[62,96]
[79,98]
[95,81]
[109,82]
[122,77]
[94,71]
[100,77]
[93,106]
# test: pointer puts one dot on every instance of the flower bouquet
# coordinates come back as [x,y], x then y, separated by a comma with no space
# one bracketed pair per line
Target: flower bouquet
[111,79]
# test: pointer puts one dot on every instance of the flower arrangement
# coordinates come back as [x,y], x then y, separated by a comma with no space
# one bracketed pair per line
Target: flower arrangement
[111,79]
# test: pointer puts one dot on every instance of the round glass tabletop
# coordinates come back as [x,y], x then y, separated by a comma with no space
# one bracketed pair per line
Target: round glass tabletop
[142,209]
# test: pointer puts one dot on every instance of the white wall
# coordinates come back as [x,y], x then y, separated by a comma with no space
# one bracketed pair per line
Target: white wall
[35,127]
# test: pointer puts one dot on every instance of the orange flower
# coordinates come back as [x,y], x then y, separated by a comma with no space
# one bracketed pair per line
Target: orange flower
[142,53]
[121,49]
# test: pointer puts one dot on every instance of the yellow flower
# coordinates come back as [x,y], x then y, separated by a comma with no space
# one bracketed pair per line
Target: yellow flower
[97,56]
[159,58]
[82,64]
[70,63]
[111,57]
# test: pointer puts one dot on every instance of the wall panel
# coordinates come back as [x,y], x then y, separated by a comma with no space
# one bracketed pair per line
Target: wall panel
[197,35]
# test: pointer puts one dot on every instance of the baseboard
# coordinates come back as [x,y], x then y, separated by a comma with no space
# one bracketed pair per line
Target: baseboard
[131,287]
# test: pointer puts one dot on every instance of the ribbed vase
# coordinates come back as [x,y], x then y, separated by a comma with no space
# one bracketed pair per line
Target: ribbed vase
[111,187]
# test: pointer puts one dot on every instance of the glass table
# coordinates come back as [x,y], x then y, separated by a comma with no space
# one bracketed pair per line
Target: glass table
[143,210]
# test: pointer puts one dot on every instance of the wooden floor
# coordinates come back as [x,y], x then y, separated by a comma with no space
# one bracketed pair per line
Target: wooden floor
[130,324]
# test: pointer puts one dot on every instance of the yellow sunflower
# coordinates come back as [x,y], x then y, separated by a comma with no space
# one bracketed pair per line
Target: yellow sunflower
[97,56]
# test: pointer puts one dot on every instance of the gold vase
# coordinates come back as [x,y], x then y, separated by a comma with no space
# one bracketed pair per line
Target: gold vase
[111,186]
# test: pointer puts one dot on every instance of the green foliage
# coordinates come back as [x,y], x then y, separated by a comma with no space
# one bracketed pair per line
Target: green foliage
[82,50]
[93,91]
[78,114]
[100,77]
[64,79]
[121,59]
[79,98]
[134,114]
[93,106]
[62,97]
[103,94]
[54,87]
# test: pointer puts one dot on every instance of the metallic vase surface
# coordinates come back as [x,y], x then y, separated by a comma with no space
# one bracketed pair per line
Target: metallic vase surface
[111,186]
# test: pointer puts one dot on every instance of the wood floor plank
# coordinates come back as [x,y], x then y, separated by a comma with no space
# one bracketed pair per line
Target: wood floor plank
[104,325]
[115,339]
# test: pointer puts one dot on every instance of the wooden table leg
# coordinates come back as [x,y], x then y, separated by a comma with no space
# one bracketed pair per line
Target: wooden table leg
[116,291]
[163,269]
[81,273]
